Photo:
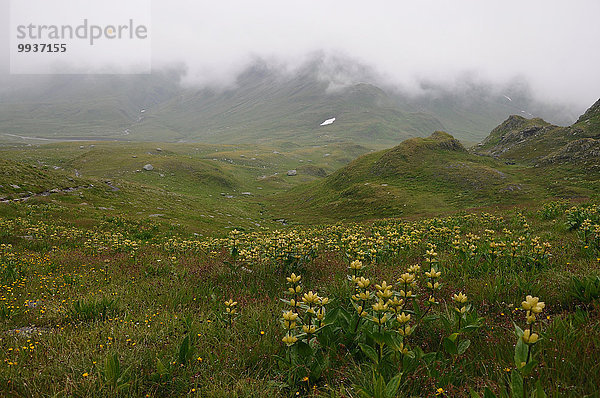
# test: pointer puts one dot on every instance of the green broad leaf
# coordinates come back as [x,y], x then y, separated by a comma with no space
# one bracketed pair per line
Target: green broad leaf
[364,393]
[369,352]
[304,350]
[518,331]
[379,387]
[539,390]
[161,369]
[393,340]
[453,336]
[450,346]
[525,370]
[445,321]
[184,350]
[326,335]
[473,394]
[431,318]
[463,345]
[391,389]
[124,377]
[516,385]
[473,326]
[520,353]
[333,313]
[318,367]
[379,338]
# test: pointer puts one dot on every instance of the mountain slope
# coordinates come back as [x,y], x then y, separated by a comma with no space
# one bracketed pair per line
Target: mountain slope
[534,141]
[265,105]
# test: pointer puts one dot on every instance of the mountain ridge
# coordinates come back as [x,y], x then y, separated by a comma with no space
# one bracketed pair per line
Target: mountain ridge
[265,104]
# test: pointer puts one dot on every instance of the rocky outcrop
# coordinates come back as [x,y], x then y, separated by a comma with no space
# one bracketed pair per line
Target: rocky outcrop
[592,112]
[514,131]
[584,150]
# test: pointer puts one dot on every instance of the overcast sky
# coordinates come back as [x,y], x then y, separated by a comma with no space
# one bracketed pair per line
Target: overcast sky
[552,44]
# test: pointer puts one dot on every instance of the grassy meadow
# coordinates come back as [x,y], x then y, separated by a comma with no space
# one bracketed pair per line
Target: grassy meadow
[419,271]
[139,307]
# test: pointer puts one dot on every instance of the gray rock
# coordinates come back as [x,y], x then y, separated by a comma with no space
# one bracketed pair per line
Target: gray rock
[148,167]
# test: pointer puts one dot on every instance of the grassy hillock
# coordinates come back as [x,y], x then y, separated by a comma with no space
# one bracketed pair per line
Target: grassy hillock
[19,180]
[426,176]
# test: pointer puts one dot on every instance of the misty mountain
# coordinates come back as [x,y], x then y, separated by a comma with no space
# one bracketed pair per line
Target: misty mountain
[265,105]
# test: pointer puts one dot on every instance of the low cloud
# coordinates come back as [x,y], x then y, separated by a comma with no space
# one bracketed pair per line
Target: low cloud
[551,45]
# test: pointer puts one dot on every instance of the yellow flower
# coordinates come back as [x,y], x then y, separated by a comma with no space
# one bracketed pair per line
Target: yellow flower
[439,391]
[85,374]
[433,273]
[356,265]
[363,296]
[230,303]
[533,304]
[309,329]
[289,324]
[293,278]
[414,269]
[403,349]
[310,297]
[395,302]
[321,314]
[530,338]
[459,298]
[405,331]
[379,306]
[406,278]
[289,340]
[385,294]
[403,318]
[290,316]
[363,283]
[433,286]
